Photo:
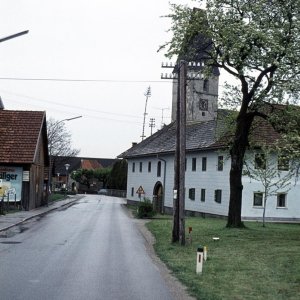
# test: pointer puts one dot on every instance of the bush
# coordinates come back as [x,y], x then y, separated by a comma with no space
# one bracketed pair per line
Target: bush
[145,209]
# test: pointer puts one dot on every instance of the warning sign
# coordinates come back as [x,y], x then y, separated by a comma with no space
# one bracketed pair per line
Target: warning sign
[140,190]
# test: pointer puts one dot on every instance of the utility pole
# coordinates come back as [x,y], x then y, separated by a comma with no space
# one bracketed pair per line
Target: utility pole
[152,124]
[178,231]
[147,94]
[162,116]
[179,181]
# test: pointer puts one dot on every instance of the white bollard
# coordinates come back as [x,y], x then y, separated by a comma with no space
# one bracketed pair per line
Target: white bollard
[199,260]
[205,253]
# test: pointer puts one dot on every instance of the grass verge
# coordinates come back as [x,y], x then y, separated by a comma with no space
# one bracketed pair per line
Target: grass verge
[251,263]
[56,197]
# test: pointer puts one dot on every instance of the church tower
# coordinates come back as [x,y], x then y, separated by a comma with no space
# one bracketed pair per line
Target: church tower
[201,95]
[201,92]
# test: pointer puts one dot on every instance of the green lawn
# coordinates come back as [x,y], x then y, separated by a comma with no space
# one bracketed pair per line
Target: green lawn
[251,263]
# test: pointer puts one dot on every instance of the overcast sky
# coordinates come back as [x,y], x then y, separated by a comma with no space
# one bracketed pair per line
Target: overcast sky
[112,42]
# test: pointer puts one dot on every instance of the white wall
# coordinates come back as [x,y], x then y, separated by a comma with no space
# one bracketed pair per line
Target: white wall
[210,180]
[290,212]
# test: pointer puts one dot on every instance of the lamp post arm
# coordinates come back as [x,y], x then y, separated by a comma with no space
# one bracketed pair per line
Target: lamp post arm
[13,36]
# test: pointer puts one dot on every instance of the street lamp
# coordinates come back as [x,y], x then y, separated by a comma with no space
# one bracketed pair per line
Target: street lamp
[13,36]
[57,184]
[67,181]
[50,152]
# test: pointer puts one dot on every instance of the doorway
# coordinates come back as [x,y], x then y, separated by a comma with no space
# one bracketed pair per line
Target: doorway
[158,197]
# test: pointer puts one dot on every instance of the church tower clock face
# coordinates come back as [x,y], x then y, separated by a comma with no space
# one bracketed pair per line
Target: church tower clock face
[203,104]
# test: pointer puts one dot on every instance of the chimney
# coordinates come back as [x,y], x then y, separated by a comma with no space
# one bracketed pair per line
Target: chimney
[134,144]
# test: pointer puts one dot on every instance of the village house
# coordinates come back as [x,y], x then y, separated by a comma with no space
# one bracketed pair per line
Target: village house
[23,158]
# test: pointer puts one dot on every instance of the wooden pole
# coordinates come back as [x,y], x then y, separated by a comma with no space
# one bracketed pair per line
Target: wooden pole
[178,233]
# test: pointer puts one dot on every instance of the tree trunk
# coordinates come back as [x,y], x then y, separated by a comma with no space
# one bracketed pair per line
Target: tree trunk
[237,152]
[264,211]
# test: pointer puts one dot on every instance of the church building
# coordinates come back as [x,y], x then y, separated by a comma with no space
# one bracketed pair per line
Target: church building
[151,162]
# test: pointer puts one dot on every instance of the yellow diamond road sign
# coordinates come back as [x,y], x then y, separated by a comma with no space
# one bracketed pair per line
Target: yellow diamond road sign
[140,190]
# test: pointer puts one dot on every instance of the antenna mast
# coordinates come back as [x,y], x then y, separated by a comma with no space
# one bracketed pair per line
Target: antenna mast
[147,94]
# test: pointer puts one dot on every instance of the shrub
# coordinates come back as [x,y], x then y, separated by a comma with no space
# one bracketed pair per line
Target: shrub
[145,209]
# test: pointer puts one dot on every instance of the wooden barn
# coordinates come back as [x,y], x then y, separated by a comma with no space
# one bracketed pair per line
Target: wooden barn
[24,158]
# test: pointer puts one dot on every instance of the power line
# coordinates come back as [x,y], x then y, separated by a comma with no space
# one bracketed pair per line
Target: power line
[88,115]
[82,80]
[68,106]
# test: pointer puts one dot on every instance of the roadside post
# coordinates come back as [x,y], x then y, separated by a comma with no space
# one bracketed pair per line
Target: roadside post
[199,264]
[205,253]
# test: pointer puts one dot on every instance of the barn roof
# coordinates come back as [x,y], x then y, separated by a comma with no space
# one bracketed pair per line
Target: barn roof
[20,132]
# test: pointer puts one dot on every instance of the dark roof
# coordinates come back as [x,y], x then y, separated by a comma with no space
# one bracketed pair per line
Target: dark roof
[199,135]
[20,132]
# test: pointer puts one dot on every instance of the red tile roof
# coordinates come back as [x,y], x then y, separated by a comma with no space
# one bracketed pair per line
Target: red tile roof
[19,134]
[90,164]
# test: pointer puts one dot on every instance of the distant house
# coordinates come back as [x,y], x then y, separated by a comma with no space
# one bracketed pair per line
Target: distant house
[61,176]
[23,157]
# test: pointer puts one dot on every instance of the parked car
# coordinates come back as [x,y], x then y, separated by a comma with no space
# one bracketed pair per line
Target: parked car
[102,192]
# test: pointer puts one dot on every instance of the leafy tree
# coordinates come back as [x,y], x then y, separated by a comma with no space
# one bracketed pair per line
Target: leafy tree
[257,44]
[103,175]
[87,176]
[118,176]
[83,176]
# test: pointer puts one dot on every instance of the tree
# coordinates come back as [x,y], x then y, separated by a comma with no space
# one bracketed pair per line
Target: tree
[59,143]
[257,44]
[103,175]
[83,176]
[59,139]
[87,176]
[118,176]
[273,170]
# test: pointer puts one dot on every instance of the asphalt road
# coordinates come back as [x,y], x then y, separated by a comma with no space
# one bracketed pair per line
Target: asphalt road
[90,250]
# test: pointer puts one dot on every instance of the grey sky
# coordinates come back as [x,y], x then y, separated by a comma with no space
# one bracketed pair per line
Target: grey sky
[114,42]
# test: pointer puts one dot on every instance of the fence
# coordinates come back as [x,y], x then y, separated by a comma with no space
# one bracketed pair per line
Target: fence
[117,193]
